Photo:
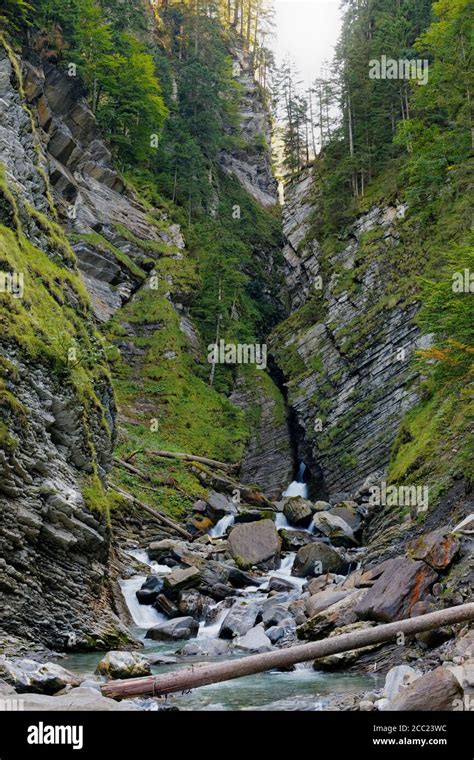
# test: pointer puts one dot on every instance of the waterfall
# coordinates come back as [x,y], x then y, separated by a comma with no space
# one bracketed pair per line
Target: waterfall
[222,526]
[144,616]
[298,487]
[142,556]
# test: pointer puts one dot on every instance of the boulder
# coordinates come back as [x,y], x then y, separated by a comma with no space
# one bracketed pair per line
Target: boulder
[158,550]
[437,548]
[220,504]
[397,679]
[341,613]
[254,543]
[275,615]
[347,511]
[192,603]
[123,665]
[324,599]
[392,597]
[437,691]
[165,605]
[82,699]
[255,640]
[317,558]
[280,584]
[283,632]
[297,511]
[178,628]
[31,676]
[181,579]
[292,540]
[240,619]
[206,648]
[335,528]
[149,591]
[321,506]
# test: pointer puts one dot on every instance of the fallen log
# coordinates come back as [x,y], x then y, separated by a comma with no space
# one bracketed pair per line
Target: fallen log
[248,494]
[191,458]
[161,518]
[203,674]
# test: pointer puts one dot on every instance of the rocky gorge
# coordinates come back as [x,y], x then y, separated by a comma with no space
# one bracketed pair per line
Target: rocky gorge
[102,579]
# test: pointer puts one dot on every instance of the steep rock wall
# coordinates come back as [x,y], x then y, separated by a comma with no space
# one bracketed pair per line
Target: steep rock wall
[346,349]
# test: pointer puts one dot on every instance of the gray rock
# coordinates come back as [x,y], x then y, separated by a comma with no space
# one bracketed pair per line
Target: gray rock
[335,528]
[82,699]
[206,648]
[292,540]
[317,558]
[324,599]
[178,628]
[42,678]
[254,543]
[402,584]
[437,691]
[179,580]
[255,640]
[298,511]
[123,665]
[240,618]
[397,679]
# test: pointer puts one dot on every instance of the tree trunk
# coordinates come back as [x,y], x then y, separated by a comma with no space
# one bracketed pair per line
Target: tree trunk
[191,458]
[157,515]
[204,674]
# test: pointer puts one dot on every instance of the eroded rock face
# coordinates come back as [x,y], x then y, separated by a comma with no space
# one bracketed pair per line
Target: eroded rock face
[54,550]
[353,365]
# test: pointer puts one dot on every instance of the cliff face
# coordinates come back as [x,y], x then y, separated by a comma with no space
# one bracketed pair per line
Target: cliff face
[57,410]
[251,164]
[346,349]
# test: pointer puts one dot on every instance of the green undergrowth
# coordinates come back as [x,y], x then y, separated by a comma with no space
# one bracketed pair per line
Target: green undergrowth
[102,244]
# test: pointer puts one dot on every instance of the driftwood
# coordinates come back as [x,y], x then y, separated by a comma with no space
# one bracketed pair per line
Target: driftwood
[154,512]
[203,674]
[249,495]
[192,458]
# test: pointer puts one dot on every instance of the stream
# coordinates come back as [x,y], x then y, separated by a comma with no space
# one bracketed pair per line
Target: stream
[301,689]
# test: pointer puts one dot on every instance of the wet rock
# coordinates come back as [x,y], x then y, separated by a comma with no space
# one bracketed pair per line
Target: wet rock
[315,585]
[181,579]
[81,699]
[397,679]
[280,584]
[255,640]
[178,628]
[254,543]
[240,618]
[239,579]
[149,591]
[348,511]
[159,550]
[317,558]
[283,632]
[206,648]
[220,504]
[275,615]
[192,603]
[167,606]
[321,506]
[292,540]
[297,511]
[29,675]
[335,528]
[437,691]
[123,665]
[437,548]
[396,591]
